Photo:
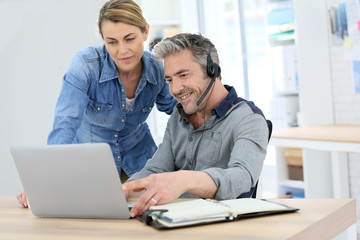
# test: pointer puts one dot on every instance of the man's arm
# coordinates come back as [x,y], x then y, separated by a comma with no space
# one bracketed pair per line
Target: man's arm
[163,188]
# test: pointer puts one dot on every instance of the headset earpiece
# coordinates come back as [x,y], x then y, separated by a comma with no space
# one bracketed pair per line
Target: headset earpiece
[212,67]
[213,70]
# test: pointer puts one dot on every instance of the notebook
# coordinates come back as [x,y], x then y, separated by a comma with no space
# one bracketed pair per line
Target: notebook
[71,181]
[205,211]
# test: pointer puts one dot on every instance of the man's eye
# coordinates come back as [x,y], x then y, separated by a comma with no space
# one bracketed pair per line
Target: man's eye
[130,39]
[111,43]
[183,75]
[168,80]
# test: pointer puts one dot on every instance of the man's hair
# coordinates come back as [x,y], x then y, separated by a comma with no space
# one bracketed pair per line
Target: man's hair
[199,45]
[125,11]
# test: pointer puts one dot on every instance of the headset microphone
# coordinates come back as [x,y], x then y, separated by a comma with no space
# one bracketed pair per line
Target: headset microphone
[213,70]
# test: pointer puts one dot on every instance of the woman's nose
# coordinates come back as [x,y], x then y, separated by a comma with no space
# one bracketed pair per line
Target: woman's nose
[122,49]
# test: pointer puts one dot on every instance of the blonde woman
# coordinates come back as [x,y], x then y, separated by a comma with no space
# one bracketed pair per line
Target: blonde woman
[109,91]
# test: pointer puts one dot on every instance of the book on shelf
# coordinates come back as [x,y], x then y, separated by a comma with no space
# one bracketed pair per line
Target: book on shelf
[205,211]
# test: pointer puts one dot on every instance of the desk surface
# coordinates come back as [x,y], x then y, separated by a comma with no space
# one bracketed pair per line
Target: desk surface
[331,133]
[317,219]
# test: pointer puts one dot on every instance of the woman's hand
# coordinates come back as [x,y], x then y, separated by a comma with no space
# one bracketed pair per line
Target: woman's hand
[22,199]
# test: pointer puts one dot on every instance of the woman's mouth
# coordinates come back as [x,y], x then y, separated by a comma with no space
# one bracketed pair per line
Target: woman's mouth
[126,60]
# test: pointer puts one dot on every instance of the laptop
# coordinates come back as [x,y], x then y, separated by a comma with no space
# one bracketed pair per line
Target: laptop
[71,181]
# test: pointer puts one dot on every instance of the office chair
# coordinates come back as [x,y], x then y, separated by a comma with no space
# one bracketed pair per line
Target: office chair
[252,192]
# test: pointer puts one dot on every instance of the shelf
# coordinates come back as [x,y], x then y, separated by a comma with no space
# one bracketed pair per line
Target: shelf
[291,187]
[293,184]
[281,39]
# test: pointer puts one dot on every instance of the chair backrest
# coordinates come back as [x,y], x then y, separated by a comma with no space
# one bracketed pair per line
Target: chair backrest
[270,126]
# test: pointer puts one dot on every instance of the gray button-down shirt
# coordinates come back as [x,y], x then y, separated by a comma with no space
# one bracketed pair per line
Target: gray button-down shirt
[230,146]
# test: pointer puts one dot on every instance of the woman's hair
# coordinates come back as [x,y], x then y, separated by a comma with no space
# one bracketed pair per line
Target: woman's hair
[199,45]
[125,11]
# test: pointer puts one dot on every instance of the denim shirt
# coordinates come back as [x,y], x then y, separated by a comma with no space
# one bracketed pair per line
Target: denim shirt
[230,147]
[92,107]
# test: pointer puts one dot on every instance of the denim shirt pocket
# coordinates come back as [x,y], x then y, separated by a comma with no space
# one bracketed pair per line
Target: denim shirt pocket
[209,148]
[145,111]
[98,111]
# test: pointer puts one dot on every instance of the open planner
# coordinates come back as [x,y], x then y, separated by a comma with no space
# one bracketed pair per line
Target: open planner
[205,211]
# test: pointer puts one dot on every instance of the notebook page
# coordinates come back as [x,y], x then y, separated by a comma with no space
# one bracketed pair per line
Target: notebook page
[191,209]
[251,205]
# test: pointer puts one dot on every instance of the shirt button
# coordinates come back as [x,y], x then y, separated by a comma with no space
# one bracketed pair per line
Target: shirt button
[98,109]
[123,105]
[190,139]
[131,109]
[115,135]
[189,164]
[117,143]
[118,157]
[122,120]
[122,89]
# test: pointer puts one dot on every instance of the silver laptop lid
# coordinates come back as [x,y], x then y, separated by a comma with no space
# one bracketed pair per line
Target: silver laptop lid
[71,180]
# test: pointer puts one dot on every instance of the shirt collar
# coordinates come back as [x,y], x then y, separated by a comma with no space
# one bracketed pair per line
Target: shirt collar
[109,71]
[221,109]
[227,103]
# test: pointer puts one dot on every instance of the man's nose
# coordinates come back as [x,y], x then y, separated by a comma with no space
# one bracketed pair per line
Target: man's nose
[176,87]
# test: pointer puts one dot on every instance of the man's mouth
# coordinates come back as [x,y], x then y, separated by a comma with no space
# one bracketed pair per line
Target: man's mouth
[185,96]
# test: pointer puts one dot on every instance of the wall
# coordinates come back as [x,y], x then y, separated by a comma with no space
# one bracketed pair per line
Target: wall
[329,87]
[347,111]
[346,106]
[38,40]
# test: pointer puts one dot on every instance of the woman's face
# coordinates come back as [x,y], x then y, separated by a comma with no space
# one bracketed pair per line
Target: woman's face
[125,44]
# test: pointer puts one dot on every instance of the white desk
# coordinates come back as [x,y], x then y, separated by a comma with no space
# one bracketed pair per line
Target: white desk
[323,178]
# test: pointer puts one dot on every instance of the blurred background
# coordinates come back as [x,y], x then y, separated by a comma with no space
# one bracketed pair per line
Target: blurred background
[261,44]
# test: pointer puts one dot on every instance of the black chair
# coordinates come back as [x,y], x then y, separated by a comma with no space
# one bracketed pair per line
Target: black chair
[270,126]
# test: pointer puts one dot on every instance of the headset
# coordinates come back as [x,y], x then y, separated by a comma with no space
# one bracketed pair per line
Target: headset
[213,70]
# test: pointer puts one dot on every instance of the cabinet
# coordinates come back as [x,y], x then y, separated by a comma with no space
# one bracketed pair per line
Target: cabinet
[290,172]
[284,105]
[313,67]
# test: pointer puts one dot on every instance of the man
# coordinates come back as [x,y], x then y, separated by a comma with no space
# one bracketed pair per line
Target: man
[214,145]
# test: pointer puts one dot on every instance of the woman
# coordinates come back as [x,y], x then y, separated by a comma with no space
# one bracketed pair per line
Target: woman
[109,91]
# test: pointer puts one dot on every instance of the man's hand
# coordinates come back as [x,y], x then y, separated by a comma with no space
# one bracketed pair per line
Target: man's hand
[22,199]
[163,188]
[157,189]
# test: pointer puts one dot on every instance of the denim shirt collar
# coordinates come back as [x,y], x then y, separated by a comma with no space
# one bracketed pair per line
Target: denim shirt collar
[221,109]
[109,71]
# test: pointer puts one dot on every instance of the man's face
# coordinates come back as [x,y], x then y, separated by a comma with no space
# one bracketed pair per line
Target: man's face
[186,79]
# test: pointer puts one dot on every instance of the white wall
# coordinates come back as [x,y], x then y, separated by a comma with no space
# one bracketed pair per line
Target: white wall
[346,106]
[38,40]
[327,92]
